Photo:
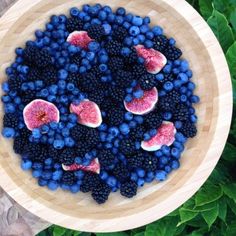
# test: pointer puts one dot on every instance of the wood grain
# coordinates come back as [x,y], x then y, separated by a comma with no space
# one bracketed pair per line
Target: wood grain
[154,201]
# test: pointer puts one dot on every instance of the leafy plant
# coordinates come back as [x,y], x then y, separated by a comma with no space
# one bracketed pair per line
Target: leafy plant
[212,210]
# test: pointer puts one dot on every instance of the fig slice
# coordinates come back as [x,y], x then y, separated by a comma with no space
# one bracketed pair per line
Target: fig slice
[154,60]
[143,105]
[79,38]
[88,113]
[94,166]
[40,112]
[165,136]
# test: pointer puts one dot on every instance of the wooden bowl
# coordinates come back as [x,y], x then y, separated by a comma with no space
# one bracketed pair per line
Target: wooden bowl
[155,200]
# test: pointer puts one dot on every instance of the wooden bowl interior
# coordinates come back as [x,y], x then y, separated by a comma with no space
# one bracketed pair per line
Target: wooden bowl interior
[80,206]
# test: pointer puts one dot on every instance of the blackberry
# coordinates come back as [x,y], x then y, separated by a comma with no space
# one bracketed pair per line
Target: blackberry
[181,112]
[24,133]
[43,156]
[119,34]
[42,58]
[92,137]
[54,153]
[127,147]
[78,132]
[113,48]
[121,172]
[117,94]
[107,105]
[132,58]
[115,63]
[67,156]
[128,189]
[153,120]
[188,129]
[19,145]
[147,81]
[29,54]
[115,116]
[97,96]
[73,78]
[90,180]
[172,53]
[33,151]
[135,161]
[76,59]
[96,71]
[160,42]
[34,74]
[28,96]
[49,75]
[167,78]
[123,78]
[68,178]
[81,148]
[169,102]
[89,82]
[106,158]
[138,70]
[100,193]
[150,163]
[74,24]
[96,32]
[15,84]
[137,134]
[10,120]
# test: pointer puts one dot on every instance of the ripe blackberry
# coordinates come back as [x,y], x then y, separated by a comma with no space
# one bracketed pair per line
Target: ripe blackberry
[96,32]
[181,112]
[119,34]
[89,82]
[97,96]
[15,84]
[34,74]
[19,145]
[188,129]
[115,116]
[54,153]
[172,53]
[138,70]
[74,24]
[81,148]
[115,63]
[160,42]
[135,161]
[123,78]
[167,78]
[106,158]
[137,134]
[128,189]
[117,94]
[107,105]
[100,193]
[121,172]
[92,138]
[43,156]
[24,133]
[127,147]
[132,58]
[96,71]
[49,75]
[67,156]
[28,96]
[90,180]
[42,58]
[33,151]
[76,59]
[10,120]
[73,78]
[29,54]
[78,132]
[68,178]
[169,102]
[113,48]
[147,81]
[153,120]
[150,163]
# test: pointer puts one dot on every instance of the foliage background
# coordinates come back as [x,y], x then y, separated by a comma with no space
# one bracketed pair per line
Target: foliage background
[212,210]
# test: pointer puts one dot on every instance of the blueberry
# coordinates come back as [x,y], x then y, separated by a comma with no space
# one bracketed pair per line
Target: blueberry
[36,133]
[42,182]
[184,66]
[53,185]
[165,149]
[175,152]
[79,173]
[150,35]
[120,11]
[158,153]
[5,87]
[128,98]
[103,175]
[75,188]
[26,165]
[167,115]
[138,93]
[125,51]
[111,17]
[153,132]
[175,164]
[161,175]
[73,68]
[140,182]
[134,30]
[172,41]
[134,177]
[193,118]
[36,173]
[157,30]
[183,77]
[124,128]
[9,108]
[103,67]
[62,74]
[74,11]
[126,25]
[139,119]
[168,86]
[111,181]
[140,173]
[148,44]
[58,144]
[8,132]
[144,29]
[178,124]
[146,137]
[114,131]
[195,99]
[128,116]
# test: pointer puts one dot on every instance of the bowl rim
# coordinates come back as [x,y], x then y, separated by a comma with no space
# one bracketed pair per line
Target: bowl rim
[119,224]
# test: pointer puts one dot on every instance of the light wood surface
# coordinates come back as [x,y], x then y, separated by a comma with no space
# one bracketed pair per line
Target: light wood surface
[155,200]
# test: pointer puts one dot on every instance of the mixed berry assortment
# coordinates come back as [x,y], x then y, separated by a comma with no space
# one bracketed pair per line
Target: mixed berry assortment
[99,101]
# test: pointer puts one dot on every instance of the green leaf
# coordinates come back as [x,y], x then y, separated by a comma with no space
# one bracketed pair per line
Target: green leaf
[58,231]
[186,215]
[222,209]
[113,234]
[231,58]
[164,227]
[233,18]
[231,229]
[232,205]
[229,153]
[140,234]
[223,6]
[211,215]
[208,193]
[230,190]
[205,207]
[206,8]
[221,29]
[199,232]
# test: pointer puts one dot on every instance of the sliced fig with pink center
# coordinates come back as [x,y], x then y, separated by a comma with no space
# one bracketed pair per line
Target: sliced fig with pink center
[165,136]
[79,38]
[154,60]
[40,112]
[143,105]
[94,166]
[88,113]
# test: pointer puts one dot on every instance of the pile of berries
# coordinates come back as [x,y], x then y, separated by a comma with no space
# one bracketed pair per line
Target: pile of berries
[99,101]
